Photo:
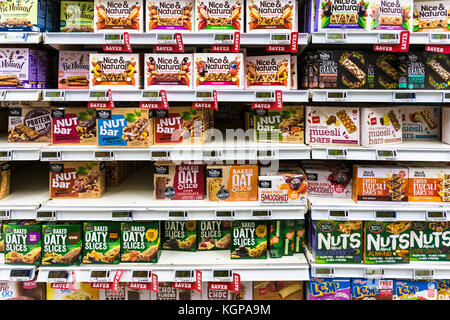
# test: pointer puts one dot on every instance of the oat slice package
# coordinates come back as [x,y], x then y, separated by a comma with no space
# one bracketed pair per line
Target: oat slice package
[249,240]
[101,243]
[22,242]
[179,235]
[140,241]
[214,235]
[61,244]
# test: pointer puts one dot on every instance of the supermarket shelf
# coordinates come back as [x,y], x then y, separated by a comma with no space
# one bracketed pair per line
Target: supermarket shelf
[406,151]
[19,151]
[20,94]
[324,208]
[286,268]
[9,272]
[20,37]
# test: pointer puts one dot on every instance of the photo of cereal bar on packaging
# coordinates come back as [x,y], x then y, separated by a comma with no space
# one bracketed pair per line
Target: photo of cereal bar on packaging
[140,241]
[333,14]
[169,15]
[77,16]
[61,244]
[268,71]
[214,235]
[114,70]
[271,16]
[353,69]
[381,126]
[430,241]
[215,15]
[431,16]
[437,71]
[163,71]
[387,74]
[113,15]
[391,15]
[29,124]
[73,71]
[219,70]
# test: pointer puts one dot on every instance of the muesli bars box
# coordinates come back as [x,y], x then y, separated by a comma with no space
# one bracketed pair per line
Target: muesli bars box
[165,71]
[431,16]
[218,71]
[77,16]
[272,72]
[114,70]
[381,126]
[22,242]
[219,16]
[73,71]
[169,15]
[111,16]
[29,124]
[74,125]
[339,14]
[421,123]
[391,15]
[19,68]
[428,183]
[430,241]
[22,16]
[265,16]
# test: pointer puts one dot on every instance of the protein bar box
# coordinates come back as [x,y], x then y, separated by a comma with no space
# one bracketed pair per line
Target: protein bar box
[271,16]
[219,16]
[140,242]
[22,290]
[114,70]
[278,290]
[381,126]
[272,72]
[61,244]
[415,290]
[29,124]
[170,15]
[164,71]
[249,239]
[73,71]
[329,289]
[219,71]
[22,16]
[372,289]
[430,241]
[101,242]
[437,71]
[431,16]
[22,242]
[77,16]
[328,180]
[74,125]
[421,123]
[427,183]
[111,16]
[179,235]
[391,15]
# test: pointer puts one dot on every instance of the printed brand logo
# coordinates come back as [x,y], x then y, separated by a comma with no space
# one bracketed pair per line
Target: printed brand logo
[6,166]
[265,184]
[57,167]
[169,192]
[223,194]
[214,173]
[373,121]
[419,225]
[324,56]
[260,112]
[161,113]
[326,226]
[315,119]
[376,227]
[58,113]
[161,169]
[15,112]
[311,176]
[103,114]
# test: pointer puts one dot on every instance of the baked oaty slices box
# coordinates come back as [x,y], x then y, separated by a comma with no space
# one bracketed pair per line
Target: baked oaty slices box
[22,242]
[218,71]
[219,16]
[428,183]
[169,15]
[277,290]
[74,125]
[71,180]
[124,127]
[381,126]
[166,71]
[330,15]
[437,71]
[386,242]
[352,69]
[179,235]
[431,16]
[18,68]
[140,241]
[412,70]
[77,16]
[112,16]
[271,16]
[421,123]
[430,241]
[214,235]
[29,124]
[391,15]
[232,182]
[61,244]
[73,71]
[273,72]
[178,182]
[114,71]
[22,16]
[372,289]
[101,242]
[248,239]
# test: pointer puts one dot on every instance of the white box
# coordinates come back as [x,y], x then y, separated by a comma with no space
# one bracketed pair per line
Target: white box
[278,16]
[168,16]
[103,66]
[107,12]
[431,16]
[219,16]
[218,71]
[421,123]
[381,126]
[335,15]
[388,15]
[328,181]
[446,124]
[287,187]
[268,72]
[163,71]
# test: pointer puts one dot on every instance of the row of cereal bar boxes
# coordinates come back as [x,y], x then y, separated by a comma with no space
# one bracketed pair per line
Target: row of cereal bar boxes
[63,244]
[316,289]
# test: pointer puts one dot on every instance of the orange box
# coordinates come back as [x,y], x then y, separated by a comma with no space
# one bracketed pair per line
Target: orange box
[426,184]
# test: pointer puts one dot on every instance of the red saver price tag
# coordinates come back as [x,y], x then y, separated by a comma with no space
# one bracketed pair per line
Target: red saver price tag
[402,47]
[438,48]
[140,286]
[234,286]
[155,283]
[116,280]
[102,104]
[276,105]
[102,285]
[62,286]
[236,283]
[178,47]
[292,47]
[198,281]
[229,47]
[163,104]
[125,47]
[207,104]
[197,285]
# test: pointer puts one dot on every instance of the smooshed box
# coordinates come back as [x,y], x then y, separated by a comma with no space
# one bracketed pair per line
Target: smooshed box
[219,16]
[328,180]
[218,71]
[169,15]
[329,289]
[74,126]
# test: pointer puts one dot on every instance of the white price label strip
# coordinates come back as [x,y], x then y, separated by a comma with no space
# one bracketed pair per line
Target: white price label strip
[141,276]
[113,38]
[104,155]
[222,275]
[436,216]
[160,155]
[323,272]
[373,273]
[338,215]
[166,38]
[280,38]
[336,96]
[445,96]
[223,38]
[99,276]
[392,38]
[57,276]
[261,214]
[386,154]
[264,96]
[3,95]
[211,154]
[6,155]
[184,275]
[225,214]
[21,274]
[98,96]
[122,216]
[178,215]
[46,216]
[55,95]
[335,37]
[441,38]
[151,96]
[403,97]
[385,215]
[423,274]
[5,214]
[337,153]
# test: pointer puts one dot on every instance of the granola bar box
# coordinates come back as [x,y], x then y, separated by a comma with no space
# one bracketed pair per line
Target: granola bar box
[74,125]
[277,290]
[29,124]
[22,290]
[61,244]
[219,16]
[415,290]
[169,15]
[372,289]
[101,242]
[391,15]
[378,183]
[286,187]
[114,71]
[386,242]
[19,68]
[427,183]
[232,182]
[111,16]
[214,235]
[324,70]
[22,16]
[431,16]
[421,123]
[77,16]
[179,235]
[443,287]
[22,242]
[248,239]
[437,71]
[329,289]
[140,241]
[430,241]
[330,15]
[124,127]
[164,71]
[73,71]
[285,126]
[412,70]
[218,71]
[381,126]
[71,180]
[328,181]
[353,69]
[387,71]
[272,72]
[271,16]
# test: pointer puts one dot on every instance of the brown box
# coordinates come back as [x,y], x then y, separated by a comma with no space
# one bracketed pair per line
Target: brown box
[277,290]
[29,124]
[5,179]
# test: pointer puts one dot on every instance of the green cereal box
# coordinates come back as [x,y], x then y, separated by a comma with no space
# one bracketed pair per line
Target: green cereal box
[214,235]
[276,241]
[61,244]
[140,241]
[249,239]
[430,241]
[180,235]
[101,242]
[299,240]
[288,237]
[22,243]
[77,16]
[387,242]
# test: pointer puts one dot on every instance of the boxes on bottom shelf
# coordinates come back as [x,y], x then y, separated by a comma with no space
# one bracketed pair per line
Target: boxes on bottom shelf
[85,291]
[372,289]
[421,123]
[329,289]
[22,242]
[166,291]
[101,242]
[443,290]
[381,126]
[17,290]
[140,241]
[278,290]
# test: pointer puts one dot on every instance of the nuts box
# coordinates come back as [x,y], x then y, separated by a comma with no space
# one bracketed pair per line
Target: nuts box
[277,290]
[73,71]
[22,242]
[179,235]
[372,289]
[332,126]
[415,290]
[125,127]
[101,242]
[329,289]
[114,70]
[29,124]
[5,179]
[77,180]
[118,15]
[249,239]
[214,235]
[268,71]
[61,244]
[421,123]
[285,187]
[164,71]
[74,126]
[170,15]
[381,126]
[219,15]
[430,241]
[391,15]
[265,16]
[218,71]
[77,16]
[328,181]
[437,71]
[428,183]
[431,16]
[22,16]
[232,182]
[140,241]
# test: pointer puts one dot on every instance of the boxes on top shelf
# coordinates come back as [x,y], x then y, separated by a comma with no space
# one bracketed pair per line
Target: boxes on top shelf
[22,16]
[271,16]
[219,16]
[169,15]
[77,16]
[391,15]
[335,14]
[431,16]
[119,15]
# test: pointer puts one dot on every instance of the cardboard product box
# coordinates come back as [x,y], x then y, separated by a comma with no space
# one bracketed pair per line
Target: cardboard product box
[437,71]
[179,235]
[299,237]
[214,235]
[248,239]
[124,293]
[412,70]
[77,16]
[334,14]
[272,72]
[325,67]
[387,72]
[125,127]
[275,240]
[391,15]
[446,125]
[2,240]
[20,68]
[18,290]
[210,292]
[430,241]
[431,16]
[376,183]
[415,290]
[387,242]
[443,290]
[5,179]
[74,125]
[81,291]
[332,126]
[372,289]
[271,16]
[101,242]
[286,126]
[352,69]
[22,16]
[421,123]
[219,16]
[72,179]
[328,181]
[294,72]
[114,71]
[73,71]
[61,244]
[166,291]
[115,173]
[140,242]
[111,16]
[277,290]
[329,289]
[381,126]
[427,184]
[218,71]
[169,15]
[165,71]
[22,242]
[283,188]
[232,182]
[29,124]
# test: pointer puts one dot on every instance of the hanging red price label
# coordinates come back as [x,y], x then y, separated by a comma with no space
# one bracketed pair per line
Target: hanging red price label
[73,284]
[206,104]
[438,48]
[236,283]
[116,280]
[197,285]
[292,47]
[234,286]
[155,283]
[274,105]
[140,286]
[198,281]
[402,47]
[177,47]
[228,47]
[102,285]
[163,104]
[124,47]
[109,104]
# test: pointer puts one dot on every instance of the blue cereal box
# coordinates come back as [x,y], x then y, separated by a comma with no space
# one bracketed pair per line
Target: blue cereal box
[329,289]
[415,290]
[372,289]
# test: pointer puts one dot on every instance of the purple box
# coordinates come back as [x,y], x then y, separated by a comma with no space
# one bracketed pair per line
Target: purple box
[329,289]
[19,68]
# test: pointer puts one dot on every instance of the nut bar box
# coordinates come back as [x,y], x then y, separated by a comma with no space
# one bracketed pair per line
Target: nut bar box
[29,124]
[248,239]
[119,15]
[430,241]
[73,71]
[69,180]
[61,244]
[179,235]
[101,242]
[268,71]
[22,16]
[329,289]
[169,15]
[264,16]
[381,126]
[219,15]
[114,71]
[74,125]
[77,16]
[218,71]
[428,183]
[22,242]
[339,14]
[140,241]
[165,71]
[421,123]
[391,15]
[431,16]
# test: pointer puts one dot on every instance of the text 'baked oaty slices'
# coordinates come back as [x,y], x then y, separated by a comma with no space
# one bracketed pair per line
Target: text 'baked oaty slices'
[353,69]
